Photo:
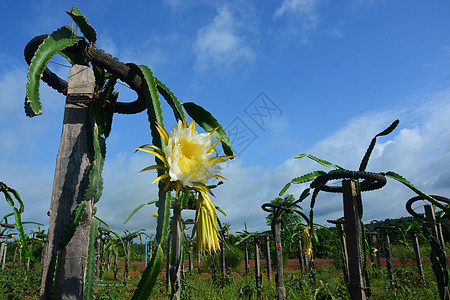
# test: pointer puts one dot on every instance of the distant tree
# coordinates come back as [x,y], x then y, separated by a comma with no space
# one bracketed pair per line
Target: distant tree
[288,220]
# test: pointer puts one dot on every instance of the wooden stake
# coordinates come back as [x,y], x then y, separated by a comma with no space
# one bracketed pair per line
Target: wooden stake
[415,241]
[353,231]
[268,262]
[73,158]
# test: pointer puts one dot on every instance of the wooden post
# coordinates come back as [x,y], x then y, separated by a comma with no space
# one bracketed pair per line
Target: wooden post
[388,254]
[415,242]
[268,262]
[222,257]
[74,156]
[430,218]
[115,267]
[191,256]
[246,256]
[341,235]
[2,249]
[4,256]
[276,229]
[300,254]
[353,231]
[168,261]
[377,252]
[127,258]
[258,277]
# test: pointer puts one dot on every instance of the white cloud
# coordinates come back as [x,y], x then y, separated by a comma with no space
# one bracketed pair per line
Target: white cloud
[301,18]
[304,7]
[222,43]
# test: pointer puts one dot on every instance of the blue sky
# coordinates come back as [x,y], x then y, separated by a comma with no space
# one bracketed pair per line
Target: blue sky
[284,77]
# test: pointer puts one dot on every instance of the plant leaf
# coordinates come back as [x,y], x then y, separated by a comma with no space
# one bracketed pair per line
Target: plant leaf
[148,278]
[137,209]
[365,160]
[319,160]
[19,227]
[399,178]
[152,102]
[83,23]
[171,99]
[207,121]
[55,42]
[91,263]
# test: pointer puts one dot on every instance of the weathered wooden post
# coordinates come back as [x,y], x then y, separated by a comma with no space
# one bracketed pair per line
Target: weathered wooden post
[268,262]
[353,233]
[374,240]
[128,240]
[246,256]
[4,255]
[300,254]
[352,218]
[4,243]
[222,257]
[191,256]
[2,248]
[169,239]
[341,235]
[74,156]
[276,231]
[430,218]
[415,242]
[387,248]
[432,233]
[258,276]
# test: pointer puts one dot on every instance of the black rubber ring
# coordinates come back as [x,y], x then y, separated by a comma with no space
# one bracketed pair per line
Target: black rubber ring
[271,207]
[379,180]
[417,198]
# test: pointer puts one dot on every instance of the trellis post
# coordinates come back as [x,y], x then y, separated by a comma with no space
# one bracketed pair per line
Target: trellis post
[387,248]
[353,232]
[268,262]
[258,276]
[415,242]
[73,158]
[341,234]
[430,218]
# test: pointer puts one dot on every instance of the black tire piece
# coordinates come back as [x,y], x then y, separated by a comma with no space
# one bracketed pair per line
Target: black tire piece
[373,181]
[410,202]
[99,57]
[271,207]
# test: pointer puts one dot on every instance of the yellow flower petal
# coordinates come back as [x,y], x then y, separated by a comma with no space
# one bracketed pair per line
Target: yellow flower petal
[213,145]
[219,159]
[163,132]
[165,175]
[158,155]
[153,168]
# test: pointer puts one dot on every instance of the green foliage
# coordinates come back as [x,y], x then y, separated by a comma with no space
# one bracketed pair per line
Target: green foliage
[92,259]
[327,243]
[7,192]
[207,121]
[101,115]
[55,42]
[83,23]
[288,220]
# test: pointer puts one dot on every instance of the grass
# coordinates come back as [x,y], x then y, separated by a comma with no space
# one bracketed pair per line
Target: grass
[328,284]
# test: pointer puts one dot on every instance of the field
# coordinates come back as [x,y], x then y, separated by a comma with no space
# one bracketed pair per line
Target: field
[327,283]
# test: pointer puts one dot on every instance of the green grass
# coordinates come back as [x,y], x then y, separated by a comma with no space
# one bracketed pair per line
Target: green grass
[328,284]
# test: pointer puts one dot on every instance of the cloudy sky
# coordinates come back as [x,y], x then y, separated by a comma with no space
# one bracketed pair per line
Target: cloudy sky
[283,77]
